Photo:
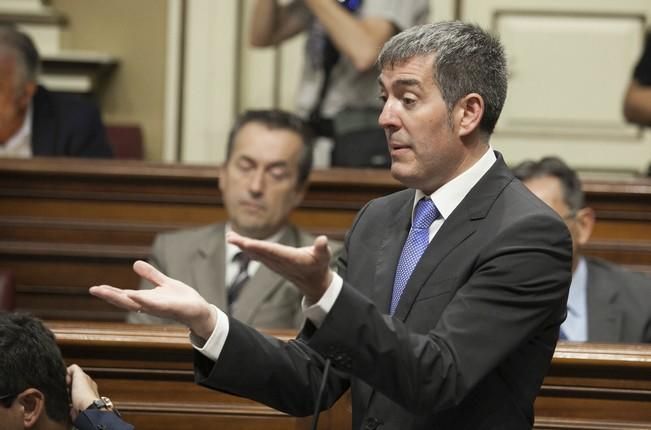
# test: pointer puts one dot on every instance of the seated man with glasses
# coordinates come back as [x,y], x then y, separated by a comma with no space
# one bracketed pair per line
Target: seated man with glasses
[37,391]
[607,303]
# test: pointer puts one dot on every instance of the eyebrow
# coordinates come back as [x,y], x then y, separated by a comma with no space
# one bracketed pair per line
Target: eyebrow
[271,165]
[401,83]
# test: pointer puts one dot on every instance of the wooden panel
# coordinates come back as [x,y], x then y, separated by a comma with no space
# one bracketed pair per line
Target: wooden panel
[69,224]
[570,62]
[148,373]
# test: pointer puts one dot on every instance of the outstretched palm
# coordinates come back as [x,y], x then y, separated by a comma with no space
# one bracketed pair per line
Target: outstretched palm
[170,299]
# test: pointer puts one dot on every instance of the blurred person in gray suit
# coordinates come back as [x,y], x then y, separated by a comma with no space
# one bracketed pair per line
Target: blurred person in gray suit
[264,177]
[607,303]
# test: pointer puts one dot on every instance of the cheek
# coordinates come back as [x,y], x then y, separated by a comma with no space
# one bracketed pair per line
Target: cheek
[282,200]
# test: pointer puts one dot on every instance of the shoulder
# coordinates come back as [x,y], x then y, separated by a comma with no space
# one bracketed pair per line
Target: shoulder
[191,236]
[66,104]
[619,276]
[387,204]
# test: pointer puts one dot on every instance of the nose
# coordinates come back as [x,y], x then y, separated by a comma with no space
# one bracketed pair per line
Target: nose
[256,184]
[388,119]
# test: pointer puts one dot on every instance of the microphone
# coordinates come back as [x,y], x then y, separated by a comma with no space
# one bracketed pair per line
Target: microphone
[317,405]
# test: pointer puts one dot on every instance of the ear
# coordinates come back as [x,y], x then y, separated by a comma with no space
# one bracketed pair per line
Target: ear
[585,220]
[29,89]
[300,194]
[32,402]
[468,113]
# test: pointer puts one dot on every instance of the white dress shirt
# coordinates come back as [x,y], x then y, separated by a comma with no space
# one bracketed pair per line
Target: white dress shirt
[575,325]
[20,144]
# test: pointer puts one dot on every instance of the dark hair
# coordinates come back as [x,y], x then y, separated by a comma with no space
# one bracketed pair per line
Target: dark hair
[466,60]
[554,167]
[30,358]
[278,120]
[26,53]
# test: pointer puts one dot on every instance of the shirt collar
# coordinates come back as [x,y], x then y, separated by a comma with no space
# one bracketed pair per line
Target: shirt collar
[448,196]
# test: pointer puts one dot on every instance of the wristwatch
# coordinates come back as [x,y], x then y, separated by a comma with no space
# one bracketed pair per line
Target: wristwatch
[104,403]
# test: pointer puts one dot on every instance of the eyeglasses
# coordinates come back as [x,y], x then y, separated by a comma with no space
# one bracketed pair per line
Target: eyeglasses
[8,399]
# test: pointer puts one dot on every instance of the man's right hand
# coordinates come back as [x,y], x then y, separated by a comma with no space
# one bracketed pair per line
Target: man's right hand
[170,299]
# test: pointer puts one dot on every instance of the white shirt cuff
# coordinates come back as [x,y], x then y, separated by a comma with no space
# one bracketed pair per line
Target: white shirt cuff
[318,311]
[212,347]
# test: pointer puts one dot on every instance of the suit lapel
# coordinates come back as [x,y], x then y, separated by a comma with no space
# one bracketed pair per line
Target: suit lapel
[263,284]
[604,319]
[208,268]
[389,254]
[461,224]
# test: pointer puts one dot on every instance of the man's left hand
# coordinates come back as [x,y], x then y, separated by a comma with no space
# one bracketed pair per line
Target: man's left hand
[306,267]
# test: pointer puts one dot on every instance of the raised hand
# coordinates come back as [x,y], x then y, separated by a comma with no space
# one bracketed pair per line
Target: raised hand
[306,267]
[83,390]
[170,299]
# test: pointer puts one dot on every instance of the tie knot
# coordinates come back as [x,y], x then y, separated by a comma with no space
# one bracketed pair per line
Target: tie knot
[242,259]
[425,213]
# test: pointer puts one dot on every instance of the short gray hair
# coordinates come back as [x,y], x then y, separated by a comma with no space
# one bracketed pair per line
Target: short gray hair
[24,50]
[466,60]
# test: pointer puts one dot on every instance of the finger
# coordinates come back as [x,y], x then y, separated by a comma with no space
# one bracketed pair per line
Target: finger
[149,272]
[321,247]
[234,238]
[115,296]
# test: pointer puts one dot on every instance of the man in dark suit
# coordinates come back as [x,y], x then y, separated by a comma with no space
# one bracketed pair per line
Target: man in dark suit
[264,177]
[458,338]
[37,392]
[607,303]
[35,121]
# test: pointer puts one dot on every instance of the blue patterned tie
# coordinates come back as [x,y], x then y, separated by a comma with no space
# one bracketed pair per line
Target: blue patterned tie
[417,241]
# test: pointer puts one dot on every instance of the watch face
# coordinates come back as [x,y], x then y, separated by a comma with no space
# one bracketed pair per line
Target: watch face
[108,403]
[99,404]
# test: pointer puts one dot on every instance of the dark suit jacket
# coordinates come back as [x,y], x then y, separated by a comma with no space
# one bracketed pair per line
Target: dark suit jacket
[93,419]
[619,304]
[196,257]
[67,126]
[472,336]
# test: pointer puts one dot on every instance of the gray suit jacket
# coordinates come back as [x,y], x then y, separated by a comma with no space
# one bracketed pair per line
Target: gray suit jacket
[619,304]
[471,339]
[196,257]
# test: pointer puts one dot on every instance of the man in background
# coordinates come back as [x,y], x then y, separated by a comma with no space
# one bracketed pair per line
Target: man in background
[37,391]
[607,303]
[264,177]
[35,121]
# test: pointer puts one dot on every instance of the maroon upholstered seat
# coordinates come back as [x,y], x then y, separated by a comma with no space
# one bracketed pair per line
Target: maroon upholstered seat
[126,141]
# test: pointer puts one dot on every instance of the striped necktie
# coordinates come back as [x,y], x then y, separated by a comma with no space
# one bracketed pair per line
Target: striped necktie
[235,288]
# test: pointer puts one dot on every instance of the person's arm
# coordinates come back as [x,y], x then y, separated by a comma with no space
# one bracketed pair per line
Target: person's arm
[358,39]
[282,364]
[272,23]
[84,394]
[637,103]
